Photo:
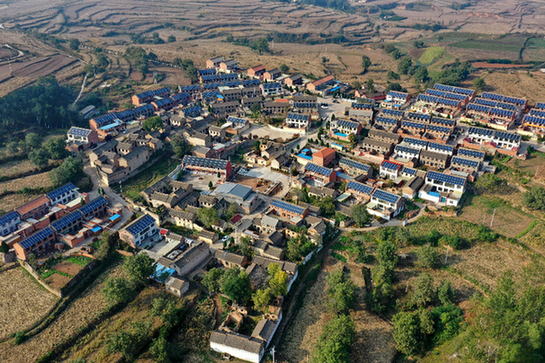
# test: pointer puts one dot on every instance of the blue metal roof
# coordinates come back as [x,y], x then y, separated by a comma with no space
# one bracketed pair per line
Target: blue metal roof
[140,224]
[359,187]
[445,178]
[36,238]
[385,196]
[54,194]
[8,217]
[287,206]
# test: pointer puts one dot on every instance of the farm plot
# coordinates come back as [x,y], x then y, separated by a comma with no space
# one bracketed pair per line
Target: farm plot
[77,315]
[41,180]
[22,301]
[16,167]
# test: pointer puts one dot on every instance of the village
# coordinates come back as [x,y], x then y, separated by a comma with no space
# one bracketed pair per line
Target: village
[274,166]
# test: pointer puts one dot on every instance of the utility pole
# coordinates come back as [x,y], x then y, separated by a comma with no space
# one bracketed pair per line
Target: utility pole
[273,351]
[493,215]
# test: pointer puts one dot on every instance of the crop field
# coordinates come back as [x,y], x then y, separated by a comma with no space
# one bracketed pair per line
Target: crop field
[16,167]
[22,300]
[431,54]
[41,180]
[77,315]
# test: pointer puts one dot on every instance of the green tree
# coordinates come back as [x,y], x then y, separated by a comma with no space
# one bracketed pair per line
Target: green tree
[360,216]
[74,44]
[370,87]
[180,146]
[39,157]
[445,293]
[298,247]
[152,123]
[341,292]
[4,247]
[392,75]
[335,341]
[423,293]
[535,198]
[56,148]
[278,280]
[236,285]
[262,298]
[491,183]
[139,267]
[479,84]
[427,256]
[419,44]
[117,290]
[159,349]
[406,332]
[121,342]
[171,38]
[208,216]
[420,73]
[453,241]
[387,254]
[405,65]
[71,169]
[284,68]
[365,64]
[327,206]
[32,141]
[212,278]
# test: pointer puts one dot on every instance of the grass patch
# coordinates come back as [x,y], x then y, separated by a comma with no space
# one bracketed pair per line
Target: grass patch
[339,257]
[79,260]
[501,44]
[431,54]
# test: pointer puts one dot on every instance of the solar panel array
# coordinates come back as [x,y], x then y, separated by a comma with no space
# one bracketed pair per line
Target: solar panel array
[79,131]
[538,121]
[415,125]
[297,116]
[93,205]
[192,111]
[362,106]
[152,93]
[418,116]
[393,113]
[471,153]
[480,131]
[359,187]
[406,150]
[54,194]
[67,220]
[435,146]
[36,238]
[540,105]
[438,100]
[347,124]
[538,113]
[313,168]
[140,224]
[190,160]
[8,217]
[443,121]
[135,113]
[502,98]
[219,77]
[206,72]
[417,142]
[445,178]
[237,120]
[465,162]
[385,196]
[440,129]
[385,120]
[271,85]
[390,165]
[396,94]
[495,104]
[507,136]
[409,171]
[354,164]
[445,94]
[292,208]
[106,119]
[453,89]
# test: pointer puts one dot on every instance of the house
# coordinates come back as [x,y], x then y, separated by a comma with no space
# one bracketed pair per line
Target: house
[216,132]
[320,84]
[396,99]
[304,103]
[412,128]
[322,192]
[288,210]
[355,168]
[64,194]
[386,123]
[115,167]
[376,147]
[140,232]
[342,129]
[182,218]
[36,208]
[501,141]
[230,260]
[385,205]
[192,258]
[275,107]
[237,345]
[271,89]
[9,223]
[415,143]
[359,190]
[225,108]
[390,170]
[214,62]
[442,189]
[228,66]
[470,154]
[465,165]
[38,244]
[384,136]
[272,74]
[297,120]
[147,96]
[197,165]
[166,192]
[294,80]
[434,160]
[411,187]
[256,72]
[80,136]
[440,148]
[320,174]
[324,157]
[208,237]
[240,195]
[176,286]
[406,154]
[362,112]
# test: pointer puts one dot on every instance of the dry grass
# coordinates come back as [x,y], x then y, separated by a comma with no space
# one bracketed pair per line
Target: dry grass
[13,201]
[77,315]
[33,181]
[22,301]
[16,167]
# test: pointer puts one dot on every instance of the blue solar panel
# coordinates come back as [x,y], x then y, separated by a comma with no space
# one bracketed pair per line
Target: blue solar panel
[106,119]
[192,111]
[67,220]
[507,135]
[218,164]
[141,224]
[441,129]
[396,94]
[409,171]
[447,88]
[418,116]
[287,206]
[36,238]
[237,120]
[390,166]
[271,85]
[206,72]
[385,196]
[8,218]
[406,150]
[445,94]
[480,131]
[540,105]
[465,162]
[153,93]
[534,120]
[359,187]
[442,147]
[415,125]
[57,193]
[251,82]
[537,113]
[413,141]
[318,169]
[502,98]
[394,113]
[362,106]
[93,205]
[445,178]
[386,120]
[354,164]
[347,124]
[297,116]
[443,121]
[79,131]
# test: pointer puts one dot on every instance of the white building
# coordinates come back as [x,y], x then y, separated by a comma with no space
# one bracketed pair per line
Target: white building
[442,189]
[385,205]
[297,120]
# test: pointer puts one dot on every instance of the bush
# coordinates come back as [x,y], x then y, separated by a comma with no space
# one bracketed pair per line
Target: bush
[428,257]
[335,341]
[535,198]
